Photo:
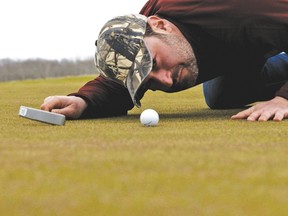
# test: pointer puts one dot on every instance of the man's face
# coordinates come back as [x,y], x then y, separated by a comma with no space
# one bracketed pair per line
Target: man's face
[174,64]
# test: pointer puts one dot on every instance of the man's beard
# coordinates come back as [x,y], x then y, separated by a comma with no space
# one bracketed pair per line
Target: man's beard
[183,49]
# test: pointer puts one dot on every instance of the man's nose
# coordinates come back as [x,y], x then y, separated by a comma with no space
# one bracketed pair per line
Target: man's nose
[162,76]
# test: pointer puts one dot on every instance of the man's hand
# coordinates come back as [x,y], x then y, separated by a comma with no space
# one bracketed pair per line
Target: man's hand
[276,109]
[70,106]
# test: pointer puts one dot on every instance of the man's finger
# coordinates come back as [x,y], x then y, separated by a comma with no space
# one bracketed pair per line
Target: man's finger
[243,114]
[50,103]
[254,116]
[69,111]
[265,116]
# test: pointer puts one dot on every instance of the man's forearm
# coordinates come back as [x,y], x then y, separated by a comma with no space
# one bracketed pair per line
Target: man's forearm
[105,98]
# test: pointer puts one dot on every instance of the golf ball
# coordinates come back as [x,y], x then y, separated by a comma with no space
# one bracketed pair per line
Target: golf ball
[149,117]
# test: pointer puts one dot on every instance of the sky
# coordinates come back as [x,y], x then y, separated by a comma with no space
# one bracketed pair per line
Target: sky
[56,29]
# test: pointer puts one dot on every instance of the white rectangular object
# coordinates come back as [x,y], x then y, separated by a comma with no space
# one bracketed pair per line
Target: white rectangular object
[41,115]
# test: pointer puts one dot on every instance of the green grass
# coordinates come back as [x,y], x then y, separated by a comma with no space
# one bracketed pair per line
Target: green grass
[195,162]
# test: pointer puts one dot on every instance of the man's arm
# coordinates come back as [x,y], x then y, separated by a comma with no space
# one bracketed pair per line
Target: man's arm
[100,97]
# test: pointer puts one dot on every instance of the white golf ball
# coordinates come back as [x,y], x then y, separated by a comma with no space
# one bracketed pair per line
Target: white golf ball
[149,117]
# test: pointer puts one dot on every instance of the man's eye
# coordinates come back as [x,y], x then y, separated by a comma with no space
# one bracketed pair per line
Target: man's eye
[154,64]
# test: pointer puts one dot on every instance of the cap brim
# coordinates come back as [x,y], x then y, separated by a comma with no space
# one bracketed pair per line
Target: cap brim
[140,69]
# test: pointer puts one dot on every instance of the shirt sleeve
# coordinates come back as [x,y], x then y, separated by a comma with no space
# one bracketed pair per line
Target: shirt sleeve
[283,91]
[105,98]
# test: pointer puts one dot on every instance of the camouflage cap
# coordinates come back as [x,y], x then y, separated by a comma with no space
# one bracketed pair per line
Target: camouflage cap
[121,53]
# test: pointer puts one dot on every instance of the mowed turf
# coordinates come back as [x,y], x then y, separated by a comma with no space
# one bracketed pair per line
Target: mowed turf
[195,162]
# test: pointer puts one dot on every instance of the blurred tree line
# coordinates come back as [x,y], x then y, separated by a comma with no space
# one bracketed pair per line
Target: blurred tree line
[40,68]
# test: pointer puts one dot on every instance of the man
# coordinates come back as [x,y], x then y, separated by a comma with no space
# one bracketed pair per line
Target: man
[181,43]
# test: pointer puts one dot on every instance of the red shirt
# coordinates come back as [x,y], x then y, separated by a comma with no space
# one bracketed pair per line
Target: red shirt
[226,36]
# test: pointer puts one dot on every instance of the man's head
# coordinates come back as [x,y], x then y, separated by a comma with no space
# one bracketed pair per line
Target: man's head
[149,52]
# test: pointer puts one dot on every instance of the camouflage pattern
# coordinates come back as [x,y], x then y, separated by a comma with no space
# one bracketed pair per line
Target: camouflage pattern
[121,53]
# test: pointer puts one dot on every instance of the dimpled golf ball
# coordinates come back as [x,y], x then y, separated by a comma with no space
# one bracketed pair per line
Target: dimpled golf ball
[149,117]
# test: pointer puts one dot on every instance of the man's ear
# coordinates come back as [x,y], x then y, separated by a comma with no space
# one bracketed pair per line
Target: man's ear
[159,25]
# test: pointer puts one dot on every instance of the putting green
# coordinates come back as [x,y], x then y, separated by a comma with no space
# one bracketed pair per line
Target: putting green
[195,162]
